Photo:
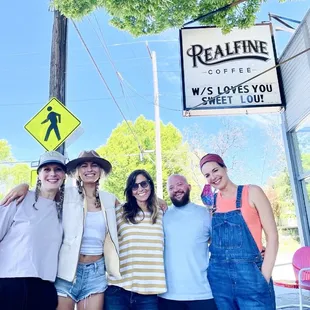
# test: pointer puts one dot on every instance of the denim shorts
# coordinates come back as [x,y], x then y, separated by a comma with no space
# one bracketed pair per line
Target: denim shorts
[90,279]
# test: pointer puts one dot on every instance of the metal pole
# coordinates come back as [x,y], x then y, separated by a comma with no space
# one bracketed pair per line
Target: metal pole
[59,62]
[159,173]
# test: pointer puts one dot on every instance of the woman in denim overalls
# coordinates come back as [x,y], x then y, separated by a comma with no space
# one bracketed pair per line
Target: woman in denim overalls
[238,275]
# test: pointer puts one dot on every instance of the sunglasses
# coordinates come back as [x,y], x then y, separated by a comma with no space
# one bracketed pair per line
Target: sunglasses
[143,184]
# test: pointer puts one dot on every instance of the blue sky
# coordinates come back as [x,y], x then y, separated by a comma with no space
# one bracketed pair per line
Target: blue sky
[24,67]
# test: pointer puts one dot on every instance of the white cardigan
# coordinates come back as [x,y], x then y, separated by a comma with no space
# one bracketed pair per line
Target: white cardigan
[73,225]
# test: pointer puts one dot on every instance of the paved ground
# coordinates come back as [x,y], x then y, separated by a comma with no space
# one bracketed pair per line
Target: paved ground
[287,296]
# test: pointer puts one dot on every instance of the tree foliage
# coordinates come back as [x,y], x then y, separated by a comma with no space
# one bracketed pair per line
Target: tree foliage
[280,196]
[229,142]
[11,174]
[123,152]
[154,16]
[5,151]
[279,192]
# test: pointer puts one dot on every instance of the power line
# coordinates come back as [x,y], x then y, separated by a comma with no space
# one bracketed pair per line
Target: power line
[104,45]
[88,99]
[137,42]
[76,49]
[106,84]
[209,14]
[118,74]
[16,162]
[146,99]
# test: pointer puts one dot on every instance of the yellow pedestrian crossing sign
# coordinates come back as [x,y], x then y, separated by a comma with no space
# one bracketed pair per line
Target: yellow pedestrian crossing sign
[52,125]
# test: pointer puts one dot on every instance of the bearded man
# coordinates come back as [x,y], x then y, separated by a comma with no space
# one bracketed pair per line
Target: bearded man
[187,233]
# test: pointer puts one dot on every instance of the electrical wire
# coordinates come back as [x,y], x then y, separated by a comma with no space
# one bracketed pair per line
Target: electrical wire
[107,52]
[118,74]
[146,99]
[106,84]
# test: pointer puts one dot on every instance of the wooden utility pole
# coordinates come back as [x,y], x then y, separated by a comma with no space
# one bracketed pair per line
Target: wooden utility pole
[58,65]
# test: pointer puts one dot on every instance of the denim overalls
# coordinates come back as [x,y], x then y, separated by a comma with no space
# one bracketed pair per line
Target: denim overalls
[234,269]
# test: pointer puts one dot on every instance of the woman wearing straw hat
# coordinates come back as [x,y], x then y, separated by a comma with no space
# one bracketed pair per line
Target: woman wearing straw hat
[30,239]
[90,243]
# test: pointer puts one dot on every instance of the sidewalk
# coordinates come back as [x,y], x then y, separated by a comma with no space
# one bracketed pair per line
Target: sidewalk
[287,296]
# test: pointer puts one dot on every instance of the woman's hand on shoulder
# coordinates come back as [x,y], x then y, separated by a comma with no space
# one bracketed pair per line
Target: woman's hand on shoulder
[162,204]
[19,192]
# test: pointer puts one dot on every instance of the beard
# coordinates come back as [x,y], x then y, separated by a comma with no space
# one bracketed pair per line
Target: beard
[183,201]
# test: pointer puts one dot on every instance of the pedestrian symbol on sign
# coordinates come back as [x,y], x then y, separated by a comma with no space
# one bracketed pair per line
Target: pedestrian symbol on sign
[52,125]
[54,118]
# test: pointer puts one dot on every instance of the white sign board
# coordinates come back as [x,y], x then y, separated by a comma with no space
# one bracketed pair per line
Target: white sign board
[216,69]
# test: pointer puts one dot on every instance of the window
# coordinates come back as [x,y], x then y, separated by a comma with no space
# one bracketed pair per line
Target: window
[303,142]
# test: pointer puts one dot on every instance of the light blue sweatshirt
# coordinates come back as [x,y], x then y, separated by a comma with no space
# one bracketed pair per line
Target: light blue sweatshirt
[187,232]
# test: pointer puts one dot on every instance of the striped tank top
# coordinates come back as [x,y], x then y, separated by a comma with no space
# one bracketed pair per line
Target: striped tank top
[141,254]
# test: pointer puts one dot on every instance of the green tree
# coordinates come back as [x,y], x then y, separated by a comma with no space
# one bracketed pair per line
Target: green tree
[280,195]
[123,152]
[5,151]
[150,17]
[305,161]
[11,174]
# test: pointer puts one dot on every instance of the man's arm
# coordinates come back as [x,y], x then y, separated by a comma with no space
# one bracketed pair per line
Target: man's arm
[18,192]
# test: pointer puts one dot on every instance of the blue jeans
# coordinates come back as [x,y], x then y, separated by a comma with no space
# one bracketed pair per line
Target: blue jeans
[116,298]
[168,304]
[90,279]
[240,285]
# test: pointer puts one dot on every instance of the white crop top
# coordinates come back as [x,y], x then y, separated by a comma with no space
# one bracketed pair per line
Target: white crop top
[94,234]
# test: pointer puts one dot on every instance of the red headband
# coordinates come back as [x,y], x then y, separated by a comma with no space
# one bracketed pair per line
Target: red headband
[212,157]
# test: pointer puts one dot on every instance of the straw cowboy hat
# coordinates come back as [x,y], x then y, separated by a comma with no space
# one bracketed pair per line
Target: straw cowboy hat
[89,156]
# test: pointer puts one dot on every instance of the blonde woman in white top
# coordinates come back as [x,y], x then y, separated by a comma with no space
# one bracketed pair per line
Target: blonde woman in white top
[30,238]
[90,239]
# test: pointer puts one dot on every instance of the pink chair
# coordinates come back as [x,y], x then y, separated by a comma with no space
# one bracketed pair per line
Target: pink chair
[301,266]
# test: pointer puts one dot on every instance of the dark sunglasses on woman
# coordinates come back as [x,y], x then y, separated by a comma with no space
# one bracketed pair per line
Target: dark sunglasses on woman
[143,184]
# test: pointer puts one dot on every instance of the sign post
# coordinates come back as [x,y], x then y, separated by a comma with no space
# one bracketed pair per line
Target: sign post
[52,125]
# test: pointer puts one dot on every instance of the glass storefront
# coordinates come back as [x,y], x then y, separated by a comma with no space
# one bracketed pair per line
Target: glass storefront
[302,133]
[301,144]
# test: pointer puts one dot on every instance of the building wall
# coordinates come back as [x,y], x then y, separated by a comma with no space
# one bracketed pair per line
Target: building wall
[296,122]
[296,75]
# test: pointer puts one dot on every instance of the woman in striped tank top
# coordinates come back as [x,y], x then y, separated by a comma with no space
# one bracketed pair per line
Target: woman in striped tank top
[141,243]
[238,275]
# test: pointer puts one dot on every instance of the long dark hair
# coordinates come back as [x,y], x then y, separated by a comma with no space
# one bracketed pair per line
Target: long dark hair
[131,208]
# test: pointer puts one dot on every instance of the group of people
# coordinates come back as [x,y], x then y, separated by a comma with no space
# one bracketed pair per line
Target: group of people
[66,246]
